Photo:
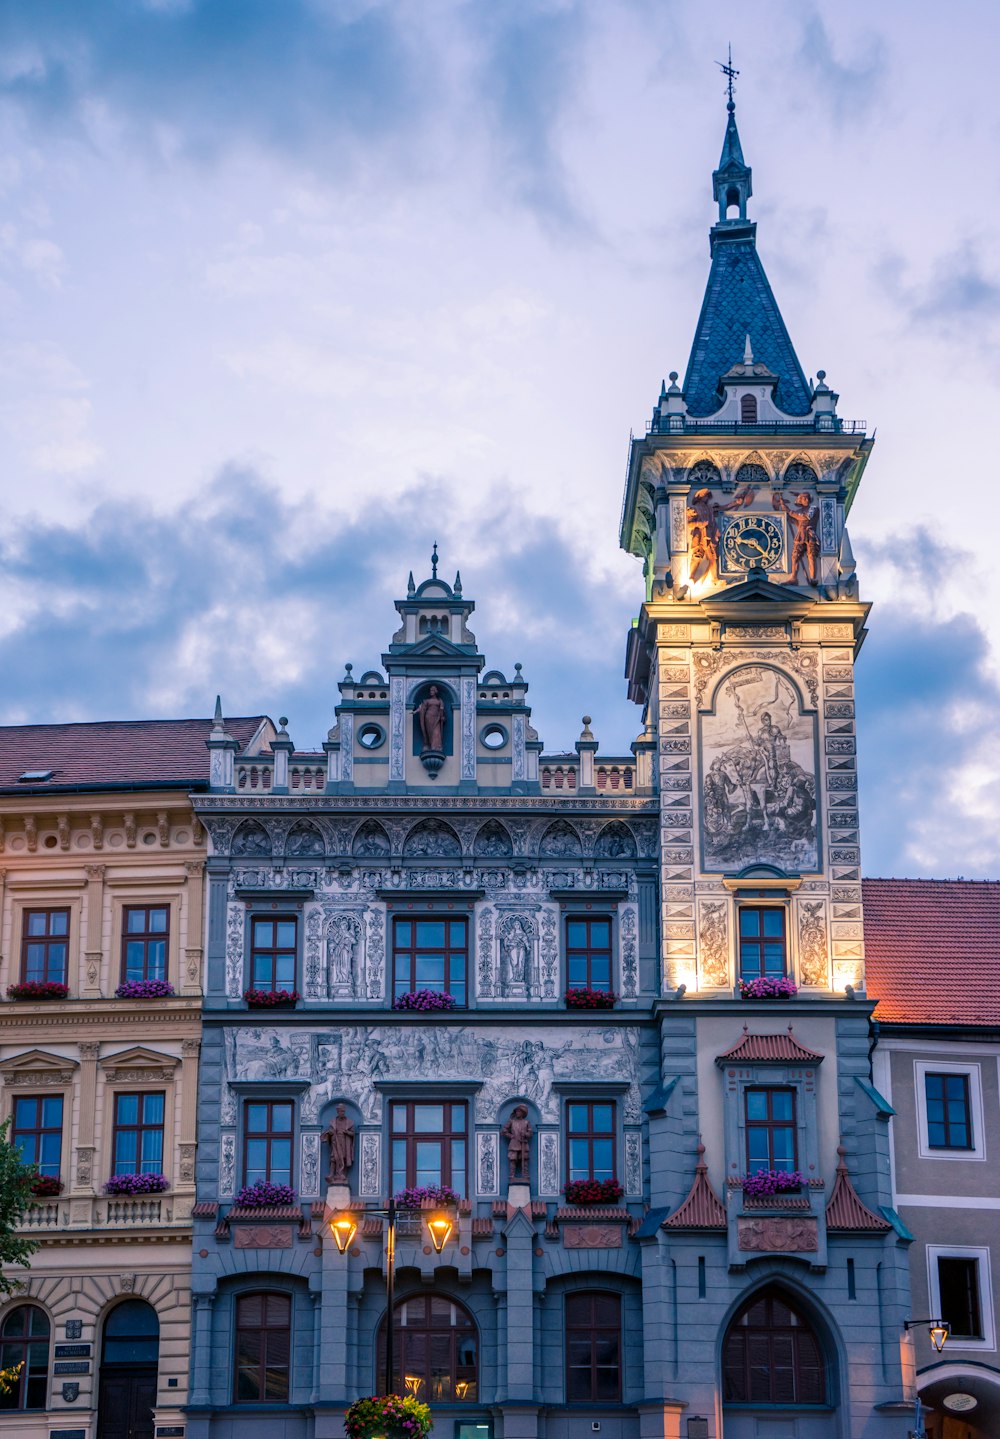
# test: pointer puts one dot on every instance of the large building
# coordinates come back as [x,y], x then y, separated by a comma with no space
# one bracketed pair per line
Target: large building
[741,1268]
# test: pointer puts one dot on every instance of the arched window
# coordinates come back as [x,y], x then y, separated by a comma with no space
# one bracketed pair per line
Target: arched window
[263,1348]
[593,1348]
[24,1345]
[131,1334]
[437,1350]
[748,409]
[771,1355]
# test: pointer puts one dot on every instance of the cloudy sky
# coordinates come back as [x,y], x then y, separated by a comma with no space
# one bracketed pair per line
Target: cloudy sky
[291,288]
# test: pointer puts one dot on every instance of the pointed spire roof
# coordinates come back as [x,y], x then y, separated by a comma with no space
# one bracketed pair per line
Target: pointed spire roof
[702,1209]
[739,308]
[846,1211]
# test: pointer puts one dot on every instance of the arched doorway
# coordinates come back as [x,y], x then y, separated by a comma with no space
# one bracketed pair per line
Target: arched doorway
[437,1350]
[961,1401]
[130,1351]
[772,1356]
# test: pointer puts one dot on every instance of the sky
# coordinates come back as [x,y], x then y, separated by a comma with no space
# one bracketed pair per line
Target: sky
[290,289]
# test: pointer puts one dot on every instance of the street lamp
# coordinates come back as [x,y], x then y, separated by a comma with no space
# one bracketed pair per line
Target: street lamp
[936,1328]
[344,1226]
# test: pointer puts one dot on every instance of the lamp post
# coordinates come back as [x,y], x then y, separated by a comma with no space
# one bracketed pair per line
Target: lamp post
[938,1332]
[344,1226]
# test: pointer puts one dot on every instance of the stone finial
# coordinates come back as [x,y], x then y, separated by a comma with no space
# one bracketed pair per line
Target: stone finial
[434,561]
[217,722]
[747,353]
[674,390]
[586,735]
[457,586]
[283,726]
[410,586]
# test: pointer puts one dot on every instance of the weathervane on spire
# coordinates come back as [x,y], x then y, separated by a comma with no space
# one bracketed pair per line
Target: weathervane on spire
[727,69]
[434,562]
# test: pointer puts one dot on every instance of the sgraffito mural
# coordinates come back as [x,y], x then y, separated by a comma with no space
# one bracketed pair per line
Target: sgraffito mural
[758,755]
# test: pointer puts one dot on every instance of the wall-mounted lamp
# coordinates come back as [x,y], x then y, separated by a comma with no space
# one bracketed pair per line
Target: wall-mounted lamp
[440,1227]
[936,1328]
[343,1227]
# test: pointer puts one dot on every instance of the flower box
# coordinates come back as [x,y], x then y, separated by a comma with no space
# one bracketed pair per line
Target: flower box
[425,1000]
[145,989]
[772,1181]
[388,1415]
[37,989]
[271,998]
[264,1195]
[46,1186]
[423,1195]
[137,1184]
[593,1191]
[591,999]
[768,988]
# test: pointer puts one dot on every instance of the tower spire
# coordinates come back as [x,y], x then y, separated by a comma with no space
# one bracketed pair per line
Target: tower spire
[731,181]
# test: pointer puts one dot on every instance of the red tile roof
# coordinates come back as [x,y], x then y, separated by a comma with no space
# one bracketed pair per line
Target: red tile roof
[113,752]
[933,950]
[768,1049]
[702,1209]
[846,1211]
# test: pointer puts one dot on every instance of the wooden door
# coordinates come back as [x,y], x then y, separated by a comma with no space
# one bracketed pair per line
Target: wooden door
[125,1405]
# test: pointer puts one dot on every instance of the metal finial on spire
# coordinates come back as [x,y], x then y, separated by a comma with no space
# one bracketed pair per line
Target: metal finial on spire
[727,69]
[434,561]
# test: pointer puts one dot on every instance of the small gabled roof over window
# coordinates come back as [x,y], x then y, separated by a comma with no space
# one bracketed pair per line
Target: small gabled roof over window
[769,1049]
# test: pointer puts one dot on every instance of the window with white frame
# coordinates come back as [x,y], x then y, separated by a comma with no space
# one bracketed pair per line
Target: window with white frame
[961,1294]
[949,1109]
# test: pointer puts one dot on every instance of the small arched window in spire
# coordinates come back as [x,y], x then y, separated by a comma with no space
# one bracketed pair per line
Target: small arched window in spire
[748,409]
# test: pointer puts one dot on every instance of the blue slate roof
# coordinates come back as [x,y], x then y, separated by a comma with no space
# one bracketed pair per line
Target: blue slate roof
[739,302]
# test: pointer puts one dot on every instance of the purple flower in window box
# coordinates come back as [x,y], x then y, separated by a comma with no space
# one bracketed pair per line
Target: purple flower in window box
[271,998]
[591,999]
[772,1181]
[425,1000]
[419,1195]
[145,989]
[593,1191]
[137,1184]
[779,987]
[46,1186]
[38,989]
[264,1195]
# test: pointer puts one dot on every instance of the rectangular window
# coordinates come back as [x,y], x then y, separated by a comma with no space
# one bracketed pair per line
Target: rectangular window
[763,947]
[138,1134]
[267,1141]
[958,1286]
[145,936]
[588,952]
[590,1139]
[272,952]
[949,1112]
[45,946]
[770,1121]
[429,1144]
[593,1348]
[37,1131]
[263,1348]
[431,954]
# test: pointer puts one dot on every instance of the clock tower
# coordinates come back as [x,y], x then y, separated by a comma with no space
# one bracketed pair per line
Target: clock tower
[743,655]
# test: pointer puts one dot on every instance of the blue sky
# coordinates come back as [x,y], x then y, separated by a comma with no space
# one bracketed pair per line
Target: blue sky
[291,288]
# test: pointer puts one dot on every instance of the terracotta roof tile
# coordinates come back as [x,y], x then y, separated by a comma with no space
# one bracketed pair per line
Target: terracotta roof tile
[114,752]
[845,1210]
[768,1049]
[933,950]
[702,1209]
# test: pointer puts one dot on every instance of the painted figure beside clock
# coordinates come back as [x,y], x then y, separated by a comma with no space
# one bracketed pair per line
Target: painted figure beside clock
[753,540]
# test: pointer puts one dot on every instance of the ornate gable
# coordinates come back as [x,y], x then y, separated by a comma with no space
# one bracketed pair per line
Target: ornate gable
[139,1066]
[38,1067]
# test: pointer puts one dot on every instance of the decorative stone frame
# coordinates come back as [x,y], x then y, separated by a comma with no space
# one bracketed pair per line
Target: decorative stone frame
[137,893]
[143,1071]
[48,894]
[973,1072]
[591,906]
[768,890]
[38,1072]
[988,1343]
[274,905]
[593,1092]
[801,1079]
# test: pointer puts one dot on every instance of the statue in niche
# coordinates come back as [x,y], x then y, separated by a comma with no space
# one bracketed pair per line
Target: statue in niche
[517,939]
[431,715]
[371,842]
[251,841]
[518,1132]
[342,934]
[703,516]
[493,842]
[432,839]
[560,841]
[614,842]
[340,1136]
[304,842]
[803,518]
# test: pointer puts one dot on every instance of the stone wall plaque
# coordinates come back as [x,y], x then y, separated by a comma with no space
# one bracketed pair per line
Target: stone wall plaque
[81,1366]
[592,1236]
[67,1434]
[262,1236]
[74,1328]
[778,1235]
[72,1351]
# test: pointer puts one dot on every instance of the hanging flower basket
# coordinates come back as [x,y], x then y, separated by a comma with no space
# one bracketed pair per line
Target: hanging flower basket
[422,1194]
[130,1184]
[271,998]
[593,1191]
[37,989]
[388,1415]
[425,1000]
[145,989]
[46,1186]
[264,1195]
[591,999]
[772,1181]
[767,988]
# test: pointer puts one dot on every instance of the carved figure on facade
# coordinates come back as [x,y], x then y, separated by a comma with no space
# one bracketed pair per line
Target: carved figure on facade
[813,958]
[518,1132]
[703,518]
[304,842]
[803,517]
[340,1137]
[615,841]
[431,715]
[629,952]
[432,839]
[560,841]
[713,943]
[517,939]
[759,775]
[493,842]
[251,841]
[343,933]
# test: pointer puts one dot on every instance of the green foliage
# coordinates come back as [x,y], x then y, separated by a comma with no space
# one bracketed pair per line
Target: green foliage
[16,1179]
[388,1414]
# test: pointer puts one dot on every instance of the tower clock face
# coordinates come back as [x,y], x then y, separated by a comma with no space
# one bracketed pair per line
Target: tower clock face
[753,540]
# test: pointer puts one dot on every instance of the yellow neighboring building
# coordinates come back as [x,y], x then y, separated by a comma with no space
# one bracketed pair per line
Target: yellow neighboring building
[101,886]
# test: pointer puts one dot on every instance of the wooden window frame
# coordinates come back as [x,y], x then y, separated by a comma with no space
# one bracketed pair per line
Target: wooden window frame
[945,1121]
[38,1131]
[146,937]
[590,951]
[758,941]
[598,1333]
[48,939]
[19,1386]
[410,1136]
[749,410]
[770,1124]
[590,1134]
[408,954]
[262,1331]
[428,1327]
[751,1362]
[974,1301]
[260,950]
[269,1136]
[140,1128]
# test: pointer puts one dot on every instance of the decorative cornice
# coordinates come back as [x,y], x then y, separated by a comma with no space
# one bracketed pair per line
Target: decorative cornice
[362,804]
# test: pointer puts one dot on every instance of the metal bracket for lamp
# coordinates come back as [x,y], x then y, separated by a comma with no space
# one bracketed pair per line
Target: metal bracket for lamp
[936,1329]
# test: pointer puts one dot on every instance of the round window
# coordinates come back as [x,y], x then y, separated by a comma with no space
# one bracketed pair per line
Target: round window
[370,736]
[493,736]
